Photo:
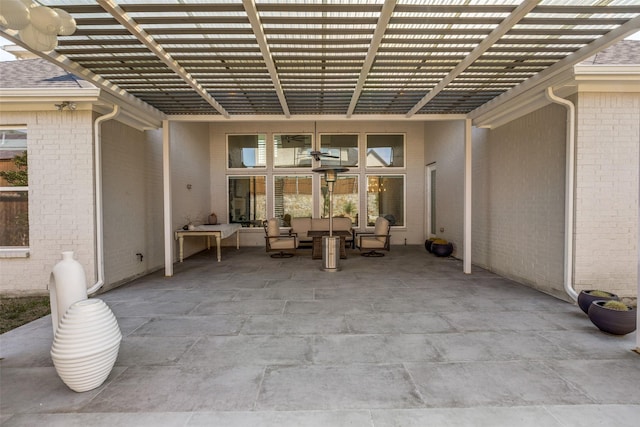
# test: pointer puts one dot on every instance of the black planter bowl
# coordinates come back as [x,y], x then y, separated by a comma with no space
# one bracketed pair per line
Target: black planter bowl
[614,322]
[427,244]
[585,299]
[442,249]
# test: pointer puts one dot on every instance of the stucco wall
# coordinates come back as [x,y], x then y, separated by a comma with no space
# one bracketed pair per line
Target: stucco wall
[414,232]
[445,149]
[606,229]
[61,209]
[133,201]
[190,166]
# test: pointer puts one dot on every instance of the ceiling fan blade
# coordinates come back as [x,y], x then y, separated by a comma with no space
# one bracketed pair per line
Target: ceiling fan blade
[321,154]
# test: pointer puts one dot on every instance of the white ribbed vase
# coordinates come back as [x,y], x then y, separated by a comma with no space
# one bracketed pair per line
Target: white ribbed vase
[86,343]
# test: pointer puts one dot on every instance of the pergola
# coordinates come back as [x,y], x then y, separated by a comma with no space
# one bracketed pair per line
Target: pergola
[339,58]
[334,59]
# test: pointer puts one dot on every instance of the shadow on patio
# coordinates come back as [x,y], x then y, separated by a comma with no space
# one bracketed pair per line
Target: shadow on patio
[403,340]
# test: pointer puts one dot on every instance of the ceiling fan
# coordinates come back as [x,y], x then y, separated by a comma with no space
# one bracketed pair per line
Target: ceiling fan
[318,154]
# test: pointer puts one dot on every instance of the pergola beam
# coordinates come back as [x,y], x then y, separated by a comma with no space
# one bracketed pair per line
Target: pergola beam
[506,25]
[539,81]
[132,26]
[381,27]
[261,39]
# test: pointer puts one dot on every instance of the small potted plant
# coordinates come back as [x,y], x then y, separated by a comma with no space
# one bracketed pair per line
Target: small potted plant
[585,298]
[614,317]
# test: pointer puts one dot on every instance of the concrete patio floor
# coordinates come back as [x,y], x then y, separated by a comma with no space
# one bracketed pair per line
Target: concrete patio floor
[403,340]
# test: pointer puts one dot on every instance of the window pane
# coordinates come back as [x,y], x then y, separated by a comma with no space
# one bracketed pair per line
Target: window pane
[247,200]
[345,198]
[344,147]
[291,151]
[293,197]
[14,218]
[385,197]
[247,151]
[13,158]
[385,151]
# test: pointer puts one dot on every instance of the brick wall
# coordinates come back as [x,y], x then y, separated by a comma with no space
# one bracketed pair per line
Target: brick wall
[523,163]
[133,201]
[606,229]
[61,209]
[518,195]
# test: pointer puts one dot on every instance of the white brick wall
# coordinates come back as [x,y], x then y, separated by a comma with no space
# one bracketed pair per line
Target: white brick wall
[518,195]
[606,228]
[133,201]
[524,164]
[61,211]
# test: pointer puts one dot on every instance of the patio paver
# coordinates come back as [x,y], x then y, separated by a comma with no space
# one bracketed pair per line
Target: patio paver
[282,343]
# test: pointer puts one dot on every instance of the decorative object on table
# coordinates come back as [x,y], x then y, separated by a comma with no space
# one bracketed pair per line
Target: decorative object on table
[85,345]
[613,317]
[67,284]
[441,248]
[213,218]
[586,297]
[428,243]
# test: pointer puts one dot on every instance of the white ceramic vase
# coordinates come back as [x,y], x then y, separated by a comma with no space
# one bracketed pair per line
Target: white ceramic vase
[68,284]
[86,343]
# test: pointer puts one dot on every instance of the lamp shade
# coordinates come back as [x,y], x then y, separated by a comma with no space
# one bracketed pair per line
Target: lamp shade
[67,23]
[46,20]
[14,14]
[37,40]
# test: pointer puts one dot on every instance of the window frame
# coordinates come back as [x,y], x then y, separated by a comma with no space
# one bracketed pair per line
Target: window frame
[392,167]
[18,251]
[404,197]
[291,175]
[228,191]
[358,146]
[244,169]
[283,169]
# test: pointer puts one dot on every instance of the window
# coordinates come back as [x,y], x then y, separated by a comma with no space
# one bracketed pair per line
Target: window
[385,151]
[385,197]
[247,200]
[293,197]
[343,147]
[14,188]
[345,198]
[247,151]
[292,151]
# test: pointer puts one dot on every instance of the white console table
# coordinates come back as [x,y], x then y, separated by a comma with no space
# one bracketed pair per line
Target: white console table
[219,231]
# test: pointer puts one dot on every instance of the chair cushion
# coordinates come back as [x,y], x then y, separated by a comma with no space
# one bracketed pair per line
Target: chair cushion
[273,229]
[382,227]
[370,242]
[320,224]
[283,243]
[301,226]
[342,223]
